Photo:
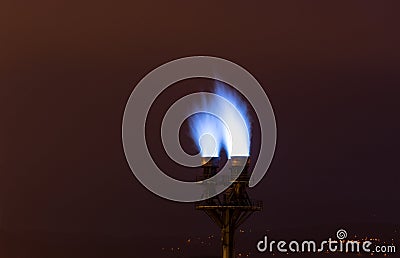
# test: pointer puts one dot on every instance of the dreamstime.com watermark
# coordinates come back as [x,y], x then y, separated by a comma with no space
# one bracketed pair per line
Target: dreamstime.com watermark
[340,244]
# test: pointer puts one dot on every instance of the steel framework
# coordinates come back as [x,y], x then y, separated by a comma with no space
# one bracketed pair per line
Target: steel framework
[232,207]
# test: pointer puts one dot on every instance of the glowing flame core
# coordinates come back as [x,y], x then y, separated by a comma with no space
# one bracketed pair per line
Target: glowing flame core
[229,130]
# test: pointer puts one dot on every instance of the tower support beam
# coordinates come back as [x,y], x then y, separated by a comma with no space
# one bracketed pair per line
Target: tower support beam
[230,208]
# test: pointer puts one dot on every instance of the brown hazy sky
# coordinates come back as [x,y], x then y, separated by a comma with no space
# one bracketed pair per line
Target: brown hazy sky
[330,69]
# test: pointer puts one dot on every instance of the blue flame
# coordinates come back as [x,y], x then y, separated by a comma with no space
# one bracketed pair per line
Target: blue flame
[229,131]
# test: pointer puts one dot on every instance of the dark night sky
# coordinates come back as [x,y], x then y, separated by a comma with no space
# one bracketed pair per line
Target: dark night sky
[331,71]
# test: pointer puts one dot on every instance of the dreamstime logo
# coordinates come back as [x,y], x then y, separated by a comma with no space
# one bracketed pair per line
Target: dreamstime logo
[329,245]
[143,96]
[341,234]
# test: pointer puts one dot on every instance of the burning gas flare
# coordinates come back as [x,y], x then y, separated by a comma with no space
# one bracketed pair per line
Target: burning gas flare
[230,130]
